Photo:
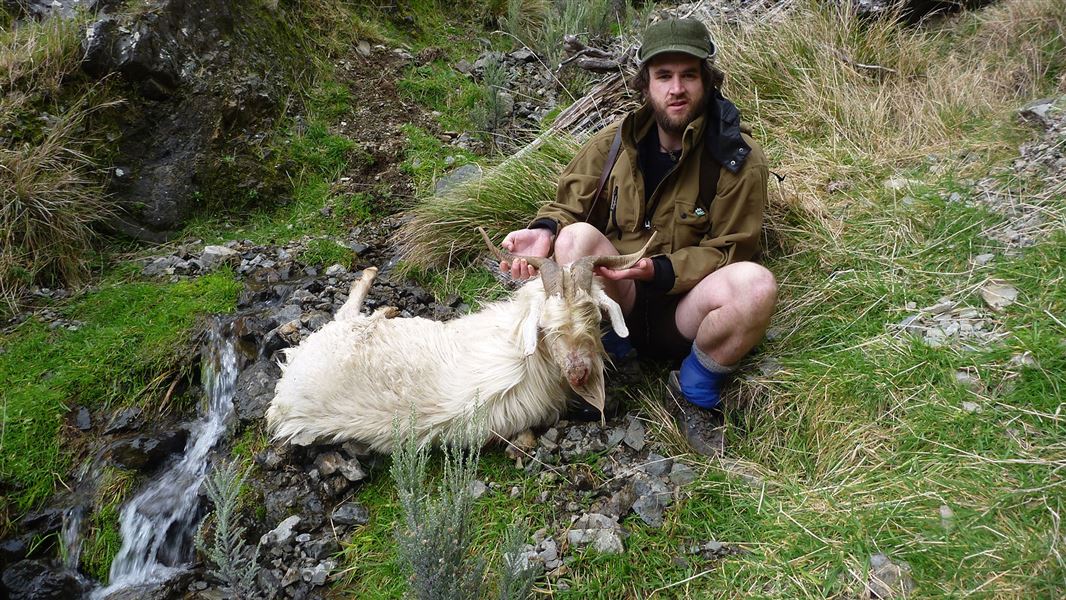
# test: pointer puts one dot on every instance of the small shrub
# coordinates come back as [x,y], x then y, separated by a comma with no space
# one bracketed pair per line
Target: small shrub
[437,534]
[233,563]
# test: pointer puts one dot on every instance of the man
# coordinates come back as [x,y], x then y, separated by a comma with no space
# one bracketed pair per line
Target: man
[682,167]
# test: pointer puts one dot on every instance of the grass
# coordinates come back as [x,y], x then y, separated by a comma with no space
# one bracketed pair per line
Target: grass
[861,438]
[133,340]
[104,539]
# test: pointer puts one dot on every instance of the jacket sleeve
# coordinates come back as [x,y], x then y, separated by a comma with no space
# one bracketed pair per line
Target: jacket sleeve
[736,226]
[577,184]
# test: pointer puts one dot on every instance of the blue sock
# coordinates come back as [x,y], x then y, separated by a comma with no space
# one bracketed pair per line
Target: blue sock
[615,345]
[700,385]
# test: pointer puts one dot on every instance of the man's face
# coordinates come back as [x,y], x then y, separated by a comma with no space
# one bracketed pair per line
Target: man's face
[675,90]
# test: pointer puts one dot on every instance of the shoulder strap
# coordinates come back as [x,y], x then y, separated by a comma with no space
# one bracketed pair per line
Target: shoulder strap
[612,157]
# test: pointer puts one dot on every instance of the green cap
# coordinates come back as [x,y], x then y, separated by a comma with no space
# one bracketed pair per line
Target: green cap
[676,35]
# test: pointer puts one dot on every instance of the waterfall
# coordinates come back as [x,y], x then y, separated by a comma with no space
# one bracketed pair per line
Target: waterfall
[159,523]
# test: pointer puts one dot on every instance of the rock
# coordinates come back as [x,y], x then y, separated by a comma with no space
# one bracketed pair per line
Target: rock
[336,270]
[125,420]
[983,259]
[350,513]
[363,48]
[889,579]
[620,502]
[83,420]
[681,475]
[281,534]
[327,463]
[255,390]
[1036,112]
[322,548]
[947,517]
[968,380]
[457,177]
[351,470]
[657,465]
[214,256]
[145,453]
[899,183]
[477,489]
[634,437]
[998,294]
[523,55]
[971,407]
[40,580]
[464,66]
[599,531]
[317,575]
[652,499]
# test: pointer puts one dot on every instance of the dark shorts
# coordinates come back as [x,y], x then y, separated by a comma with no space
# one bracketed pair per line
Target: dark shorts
[652,328]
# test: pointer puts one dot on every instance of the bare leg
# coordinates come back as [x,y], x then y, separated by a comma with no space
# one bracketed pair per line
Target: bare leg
[581,239]
[729,311]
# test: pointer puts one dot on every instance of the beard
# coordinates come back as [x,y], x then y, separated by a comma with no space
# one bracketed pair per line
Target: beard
[676,124]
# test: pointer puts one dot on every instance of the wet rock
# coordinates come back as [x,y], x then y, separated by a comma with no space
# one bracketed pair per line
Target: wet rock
[889,579]
[145,453]
[41,580]
[83,419]
[350,513]
[281,534]
[13,549]
[255,390]
[125,420]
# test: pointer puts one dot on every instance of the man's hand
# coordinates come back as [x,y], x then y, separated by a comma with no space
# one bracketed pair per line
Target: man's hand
[644,270]
[527,242]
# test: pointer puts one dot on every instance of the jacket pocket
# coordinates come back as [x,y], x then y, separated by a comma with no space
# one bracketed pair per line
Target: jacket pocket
[692,222]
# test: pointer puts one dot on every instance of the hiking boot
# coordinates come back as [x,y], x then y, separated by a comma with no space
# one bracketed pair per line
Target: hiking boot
[703,428]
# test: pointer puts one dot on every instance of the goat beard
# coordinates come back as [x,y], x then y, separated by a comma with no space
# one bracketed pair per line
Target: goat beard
[594,391]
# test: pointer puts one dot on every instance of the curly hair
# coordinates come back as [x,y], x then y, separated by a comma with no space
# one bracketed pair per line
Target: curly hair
[711,76]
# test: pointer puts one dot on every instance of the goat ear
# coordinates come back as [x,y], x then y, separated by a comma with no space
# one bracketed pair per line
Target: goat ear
[530,324]
[614,312]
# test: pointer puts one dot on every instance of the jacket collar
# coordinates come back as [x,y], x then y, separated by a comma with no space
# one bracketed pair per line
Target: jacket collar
[719,126]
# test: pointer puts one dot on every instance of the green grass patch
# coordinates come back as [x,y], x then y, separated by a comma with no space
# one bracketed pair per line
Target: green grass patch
[130,334]
[326,252]
[439,87]
[427,158]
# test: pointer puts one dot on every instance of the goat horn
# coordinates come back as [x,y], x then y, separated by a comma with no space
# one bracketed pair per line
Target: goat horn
[549,270]
[581,271]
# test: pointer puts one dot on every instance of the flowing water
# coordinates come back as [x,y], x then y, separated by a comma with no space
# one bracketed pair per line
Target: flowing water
[159,523]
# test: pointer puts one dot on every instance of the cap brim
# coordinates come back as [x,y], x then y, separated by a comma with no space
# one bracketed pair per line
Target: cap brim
[700,53]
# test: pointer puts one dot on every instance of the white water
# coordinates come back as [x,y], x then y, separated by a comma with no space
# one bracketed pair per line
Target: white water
[158,525]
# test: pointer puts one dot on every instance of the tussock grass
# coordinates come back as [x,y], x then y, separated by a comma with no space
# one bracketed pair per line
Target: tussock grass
[444,229]
[49,200]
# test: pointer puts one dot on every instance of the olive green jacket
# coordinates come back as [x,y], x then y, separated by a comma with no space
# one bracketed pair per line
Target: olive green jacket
[694,239]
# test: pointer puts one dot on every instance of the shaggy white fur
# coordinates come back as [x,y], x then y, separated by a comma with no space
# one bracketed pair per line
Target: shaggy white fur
[368,378]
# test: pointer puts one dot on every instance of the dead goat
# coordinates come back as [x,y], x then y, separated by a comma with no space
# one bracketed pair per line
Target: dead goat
[512,364]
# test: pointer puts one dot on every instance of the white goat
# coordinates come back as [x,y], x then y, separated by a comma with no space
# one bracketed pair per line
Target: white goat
[514,362]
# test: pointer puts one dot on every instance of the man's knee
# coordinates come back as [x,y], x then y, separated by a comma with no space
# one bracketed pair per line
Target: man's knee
[577,240]
[756,284]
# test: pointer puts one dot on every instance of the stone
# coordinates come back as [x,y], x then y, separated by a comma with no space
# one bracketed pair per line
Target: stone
[328,463]
[456,178]
[125,420]
[350,513]
[215,256]
[634,437]
[968,380]
[889,579]
[144,452]
[998,294]
[322,548]
[681,475]
[39,580]
[657,465]
[282,533]
[971,407]
[653,497]
[336,270]
[477,489]
[983,259]
[947,517]
[83,419]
